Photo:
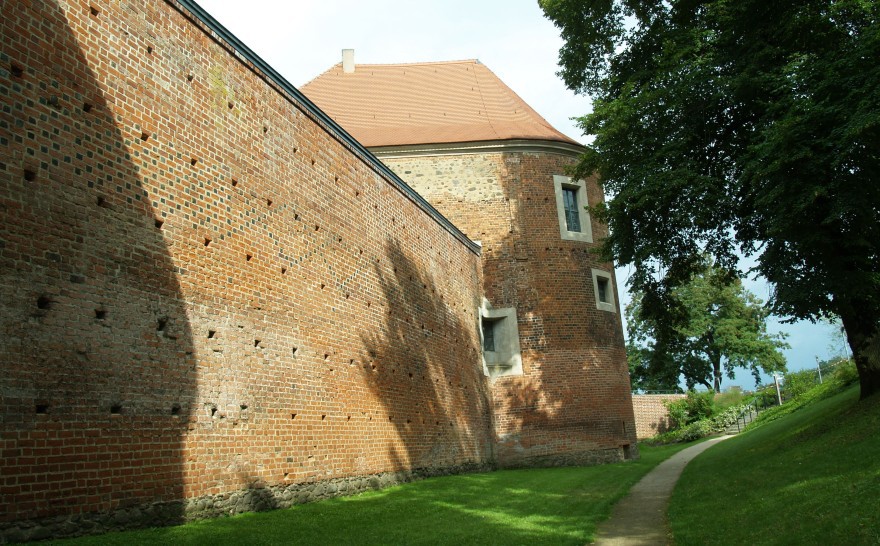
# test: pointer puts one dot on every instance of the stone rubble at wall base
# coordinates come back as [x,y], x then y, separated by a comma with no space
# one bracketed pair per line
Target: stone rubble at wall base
[256,498]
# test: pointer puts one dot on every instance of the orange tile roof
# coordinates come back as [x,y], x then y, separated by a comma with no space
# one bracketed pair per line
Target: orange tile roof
[426,103]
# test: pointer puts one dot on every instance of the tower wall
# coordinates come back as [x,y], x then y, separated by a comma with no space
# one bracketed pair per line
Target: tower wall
[571,403]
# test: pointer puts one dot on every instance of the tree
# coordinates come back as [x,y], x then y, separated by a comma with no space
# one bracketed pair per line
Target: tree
[738,126]
[837,344]
[722,327]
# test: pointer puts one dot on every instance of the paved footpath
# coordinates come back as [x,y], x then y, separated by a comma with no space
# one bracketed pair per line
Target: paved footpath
[640,518]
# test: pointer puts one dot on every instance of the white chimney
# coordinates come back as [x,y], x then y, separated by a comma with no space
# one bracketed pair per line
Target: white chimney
[348,61]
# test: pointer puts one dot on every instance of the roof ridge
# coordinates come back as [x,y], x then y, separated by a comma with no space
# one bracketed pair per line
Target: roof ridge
[483,99]
[423,63]
[524,103]
[431,102]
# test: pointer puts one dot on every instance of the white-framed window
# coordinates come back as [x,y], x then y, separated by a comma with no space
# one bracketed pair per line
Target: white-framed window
[571,202]
[603,288]
[499,339]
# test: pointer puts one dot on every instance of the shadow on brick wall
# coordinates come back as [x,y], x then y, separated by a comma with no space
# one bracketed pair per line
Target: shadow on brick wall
[572,405]
[98,371]
[424,369]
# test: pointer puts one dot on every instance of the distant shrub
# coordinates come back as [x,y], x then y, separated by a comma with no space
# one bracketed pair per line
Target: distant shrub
[732,397]
[696,430]
[843,375]
[729,416]
[695,407]
[842,372]
[766,397]
[697,415]
[677,410]
[845,372]
[701,428]
[701,405]
[797,383]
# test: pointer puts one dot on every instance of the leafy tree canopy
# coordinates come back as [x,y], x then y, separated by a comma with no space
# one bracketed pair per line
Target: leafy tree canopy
[738,126]
[722,327]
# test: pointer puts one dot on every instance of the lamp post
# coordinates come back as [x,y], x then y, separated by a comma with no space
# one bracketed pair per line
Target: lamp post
[778,393]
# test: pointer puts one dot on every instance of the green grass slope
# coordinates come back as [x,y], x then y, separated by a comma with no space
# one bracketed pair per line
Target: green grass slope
[535,506]
[810,476]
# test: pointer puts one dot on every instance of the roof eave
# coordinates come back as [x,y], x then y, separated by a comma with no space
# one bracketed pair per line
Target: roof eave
[482,146]
[242,53]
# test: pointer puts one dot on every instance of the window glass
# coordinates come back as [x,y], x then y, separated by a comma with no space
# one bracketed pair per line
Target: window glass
[602,288]
[572,218]
[488,336]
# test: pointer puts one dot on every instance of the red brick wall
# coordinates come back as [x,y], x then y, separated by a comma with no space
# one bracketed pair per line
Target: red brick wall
[652,417]
[572,403]
[203,290]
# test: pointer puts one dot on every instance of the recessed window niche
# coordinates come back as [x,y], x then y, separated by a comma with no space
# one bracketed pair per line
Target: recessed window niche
[499,337]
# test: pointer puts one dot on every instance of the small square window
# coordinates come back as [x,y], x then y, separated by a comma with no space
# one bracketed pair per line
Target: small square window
[604,290]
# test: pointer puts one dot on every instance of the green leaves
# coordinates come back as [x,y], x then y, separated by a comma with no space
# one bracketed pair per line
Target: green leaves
[719,327]
[727,127]
[591,31]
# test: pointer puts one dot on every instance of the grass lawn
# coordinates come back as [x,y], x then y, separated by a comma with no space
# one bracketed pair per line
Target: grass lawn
[535,506]
[809,477]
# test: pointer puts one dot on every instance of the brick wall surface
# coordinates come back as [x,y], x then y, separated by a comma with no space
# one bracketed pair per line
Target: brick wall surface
[572,402]
[652,417]
[208,298]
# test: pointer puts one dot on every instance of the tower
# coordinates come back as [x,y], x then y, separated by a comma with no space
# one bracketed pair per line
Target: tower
[550,322]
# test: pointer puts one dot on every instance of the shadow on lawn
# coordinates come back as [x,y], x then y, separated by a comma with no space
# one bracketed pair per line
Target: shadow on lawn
[543,506]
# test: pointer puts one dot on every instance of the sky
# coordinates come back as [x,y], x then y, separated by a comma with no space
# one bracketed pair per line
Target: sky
[301,39]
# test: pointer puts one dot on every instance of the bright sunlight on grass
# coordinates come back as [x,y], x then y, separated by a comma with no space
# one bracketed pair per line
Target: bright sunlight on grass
[535,506]
[809,477]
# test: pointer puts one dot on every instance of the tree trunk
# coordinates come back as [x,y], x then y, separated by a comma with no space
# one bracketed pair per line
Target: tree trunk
[716,372]
[863,334]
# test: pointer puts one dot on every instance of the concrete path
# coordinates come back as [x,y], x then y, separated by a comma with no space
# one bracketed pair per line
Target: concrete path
[639,519]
